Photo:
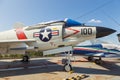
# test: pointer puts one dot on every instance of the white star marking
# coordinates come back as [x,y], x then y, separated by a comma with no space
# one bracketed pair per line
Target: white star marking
[45,34]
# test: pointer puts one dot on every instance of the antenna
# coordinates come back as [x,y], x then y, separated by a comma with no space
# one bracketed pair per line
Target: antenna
[111,18]
[95,9]
[114,22]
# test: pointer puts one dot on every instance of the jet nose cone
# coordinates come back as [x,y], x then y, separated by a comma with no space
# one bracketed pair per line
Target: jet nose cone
[102,31]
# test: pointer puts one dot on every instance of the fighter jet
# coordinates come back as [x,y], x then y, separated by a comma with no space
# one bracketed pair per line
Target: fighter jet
[98,51]
[118,37]
[49,37]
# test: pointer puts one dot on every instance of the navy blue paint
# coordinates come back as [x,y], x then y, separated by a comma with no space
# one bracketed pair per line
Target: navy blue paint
[70,22]
[49,35]
[91,52]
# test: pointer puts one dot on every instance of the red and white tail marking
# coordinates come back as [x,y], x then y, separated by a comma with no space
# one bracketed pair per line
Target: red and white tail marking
[20,34]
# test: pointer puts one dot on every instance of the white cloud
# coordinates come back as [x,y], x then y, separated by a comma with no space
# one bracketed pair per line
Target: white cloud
[94,21]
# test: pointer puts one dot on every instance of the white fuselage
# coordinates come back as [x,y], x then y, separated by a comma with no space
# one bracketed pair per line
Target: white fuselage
[46,38]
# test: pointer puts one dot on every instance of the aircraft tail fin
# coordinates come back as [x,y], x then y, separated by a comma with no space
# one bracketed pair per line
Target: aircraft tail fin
[18,25]
[97,41]
[118,37]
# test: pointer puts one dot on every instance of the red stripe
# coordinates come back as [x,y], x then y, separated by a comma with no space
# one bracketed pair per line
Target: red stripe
[75,32]
[54,33]
[36,34]
[87,49]
[20,34]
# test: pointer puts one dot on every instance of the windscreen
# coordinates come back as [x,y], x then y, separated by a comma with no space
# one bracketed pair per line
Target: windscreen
[70,22]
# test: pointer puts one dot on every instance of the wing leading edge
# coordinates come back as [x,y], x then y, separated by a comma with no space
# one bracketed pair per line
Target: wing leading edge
[17,41]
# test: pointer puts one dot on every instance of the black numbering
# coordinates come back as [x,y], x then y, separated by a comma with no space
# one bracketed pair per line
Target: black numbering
[86,31]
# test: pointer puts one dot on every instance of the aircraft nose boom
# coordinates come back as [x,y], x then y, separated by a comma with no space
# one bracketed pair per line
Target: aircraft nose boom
[103,31]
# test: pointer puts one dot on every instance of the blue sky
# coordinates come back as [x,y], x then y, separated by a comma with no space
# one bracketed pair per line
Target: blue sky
[32,12]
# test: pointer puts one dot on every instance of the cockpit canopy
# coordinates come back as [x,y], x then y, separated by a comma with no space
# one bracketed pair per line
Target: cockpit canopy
[66,22]
[70,22]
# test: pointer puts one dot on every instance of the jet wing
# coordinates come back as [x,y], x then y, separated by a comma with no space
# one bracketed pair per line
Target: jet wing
[10,46]
[17,41]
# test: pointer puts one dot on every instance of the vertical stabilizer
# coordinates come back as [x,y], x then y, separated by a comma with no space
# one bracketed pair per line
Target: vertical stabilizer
[118,37]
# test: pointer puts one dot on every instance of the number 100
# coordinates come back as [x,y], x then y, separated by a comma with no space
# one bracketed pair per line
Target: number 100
[86,31]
